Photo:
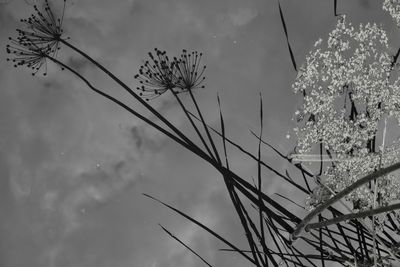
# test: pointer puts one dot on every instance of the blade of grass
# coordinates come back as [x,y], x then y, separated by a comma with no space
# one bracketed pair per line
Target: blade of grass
[238,207]
[309,256]
[270,146]
[241,183]
[284,240]
[338,250]
[360,243]
[202,226]
[195,148]
[298,166]
[265,209]
[335,8]
[183,244]
[262,241]
[119,103]
[261,203]
[274,239]
[223,132]
[243,150]
[320,243]
[287,38]
[395,57]
[291,201]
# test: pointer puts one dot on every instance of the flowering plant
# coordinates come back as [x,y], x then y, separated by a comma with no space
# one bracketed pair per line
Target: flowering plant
[349,88]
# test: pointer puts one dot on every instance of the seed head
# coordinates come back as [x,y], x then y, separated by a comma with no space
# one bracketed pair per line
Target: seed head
[161,74]
[26,53]
[38,40]
[189,70]
[156,76]
[42,27]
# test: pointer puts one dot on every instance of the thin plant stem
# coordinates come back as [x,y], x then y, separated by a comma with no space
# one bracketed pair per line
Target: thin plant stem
[119,103]
[205,126]
[371,231]
[130,91]
[340,195]
[352,216]
[186,246]
[376,191]
[193,124]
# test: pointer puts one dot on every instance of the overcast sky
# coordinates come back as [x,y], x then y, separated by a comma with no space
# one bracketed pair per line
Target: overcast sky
[73,166]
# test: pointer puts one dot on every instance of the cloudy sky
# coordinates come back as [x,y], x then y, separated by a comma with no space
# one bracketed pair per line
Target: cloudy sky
[73,166]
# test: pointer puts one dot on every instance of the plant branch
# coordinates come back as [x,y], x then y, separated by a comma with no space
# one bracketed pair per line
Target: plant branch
[340,195]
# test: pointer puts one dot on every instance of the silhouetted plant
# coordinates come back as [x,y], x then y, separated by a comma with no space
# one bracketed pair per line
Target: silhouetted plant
[162,74]
[272,228]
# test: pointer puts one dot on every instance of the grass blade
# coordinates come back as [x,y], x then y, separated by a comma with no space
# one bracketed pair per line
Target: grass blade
[223,132]
[287,38]
[203,226]
[335,8]
[183,244]
[261,203]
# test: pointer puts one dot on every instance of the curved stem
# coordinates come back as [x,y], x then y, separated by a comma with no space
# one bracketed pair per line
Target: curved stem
[340,195]
[135,113]
[351,216]
[132,93]
[224,171]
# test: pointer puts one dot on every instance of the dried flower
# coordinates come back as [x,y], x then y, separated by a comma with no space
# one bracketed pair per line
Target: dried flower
[190,74]
[27,54]
[39,40]
[161,74]
[43,28]
[156,76]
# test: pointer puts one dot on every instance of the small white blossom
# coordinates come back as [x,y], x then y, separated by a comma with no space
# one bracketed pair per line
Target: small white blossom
[349,86]
[393,7]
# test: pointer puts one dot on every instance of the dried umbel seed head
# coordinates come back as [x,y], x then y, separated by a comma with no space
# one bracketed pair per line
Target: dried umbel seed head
[161,74]
[42,27]
[38,40]
[27,54]
[189,69]
[156,76]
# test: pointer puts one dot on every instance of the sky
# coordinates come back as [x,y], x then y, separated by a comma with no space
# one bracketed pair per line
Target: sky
[73,166]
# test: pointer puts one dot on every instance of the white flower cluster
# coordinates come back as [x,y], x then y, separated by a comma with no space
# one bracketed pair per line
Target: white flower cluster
[346,89]
[346,172]
[349,86]
[393,7]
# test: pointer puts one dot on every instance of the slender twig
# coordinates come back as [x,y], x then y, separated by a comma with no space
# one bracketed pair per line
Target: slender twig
[351,216]
[340,195]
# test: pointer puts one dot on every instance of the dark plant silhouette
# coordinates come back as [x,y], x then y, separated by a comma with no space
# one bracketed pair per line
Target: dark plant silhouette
[273,227]
[156,77]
